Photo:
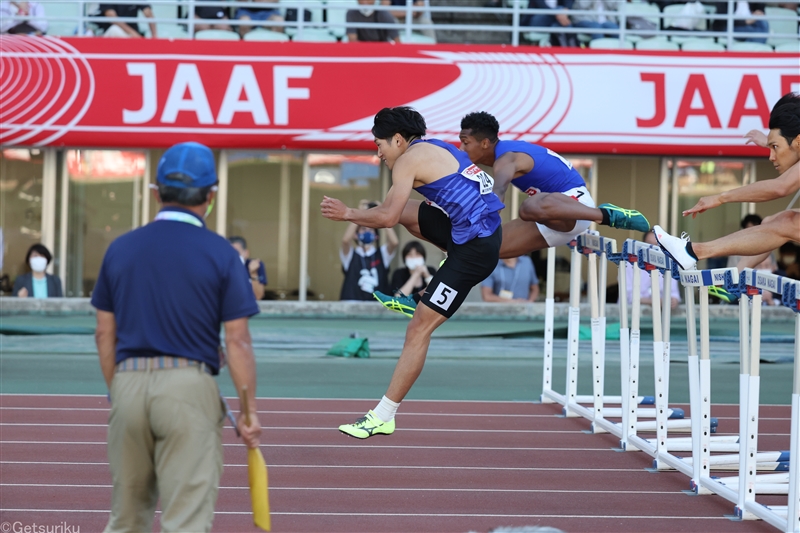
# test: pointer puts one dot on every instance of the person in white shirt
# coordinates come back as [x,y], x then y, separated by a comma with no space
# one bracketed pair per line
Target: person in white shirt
[645,288]
[13,18]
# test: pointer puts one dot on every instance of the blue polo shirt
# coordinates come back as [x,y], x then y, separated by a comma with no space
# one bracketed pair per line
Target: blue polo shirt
[170,285]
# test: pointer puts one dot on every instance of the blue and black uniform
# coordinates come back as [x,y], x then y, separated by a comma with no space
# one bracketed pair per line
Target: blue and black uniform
[461,217]
[550,173]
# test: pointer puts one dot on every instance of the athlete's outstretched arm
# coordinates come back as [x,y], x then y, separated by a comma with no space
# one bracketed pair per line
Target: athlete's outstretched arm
[387,214]
[503,171]
[760,191]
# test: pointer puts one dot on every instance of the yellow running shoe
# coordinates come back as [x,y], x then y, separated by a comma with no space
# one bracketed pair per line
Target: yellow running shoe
[402,304]
[367,426]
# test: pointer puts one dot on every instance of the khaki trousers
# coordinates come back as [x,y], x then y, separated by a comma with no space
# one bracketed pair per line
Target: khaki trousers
[164,439]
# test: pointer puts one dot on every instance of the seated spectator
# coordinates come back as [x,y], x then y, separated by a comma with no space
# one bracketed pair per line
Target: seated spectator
[645,288]
[558,18]
[125,29]
[415,275]
[211,13]
[255,267]
[365,262]
[262,14]
[367,14]
[418,17]
[37,283]
[747,222]
[745,9]
[513,280]
[789,259]
[10,18]
[601,21]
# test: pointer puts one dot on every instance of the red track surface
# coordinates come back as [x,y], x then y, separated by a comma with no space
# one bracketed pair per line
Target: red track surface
[450,466]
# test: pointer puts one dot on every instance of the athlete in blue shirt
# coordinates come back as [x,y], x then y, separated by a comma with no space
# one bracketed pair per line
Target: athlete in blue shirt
[546,219]
[460,215]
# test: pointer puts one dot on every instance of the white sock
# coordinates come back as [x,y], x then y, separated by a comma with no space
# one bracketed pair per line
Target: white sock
[386,409]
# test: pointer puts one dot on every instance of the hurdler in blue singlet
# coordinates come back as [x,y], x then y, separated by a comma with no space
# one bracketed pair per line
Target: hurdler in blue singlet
[551,172]
[465,196]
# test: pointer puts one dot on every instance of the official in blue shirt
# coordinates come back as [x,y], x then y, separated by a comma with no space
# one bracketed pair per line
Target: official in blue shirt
[162,293]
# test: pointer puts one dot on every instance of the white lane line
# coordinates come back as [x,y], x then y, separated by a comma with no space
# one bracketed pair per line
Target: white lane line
[414,515]
[304,412]
[371,467]
[324,428]
[286,398]
[407,489]
[343,446]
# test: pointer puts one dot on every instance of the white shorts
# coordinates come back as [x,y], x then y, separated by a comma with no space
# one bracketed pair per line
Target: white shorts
[560,238]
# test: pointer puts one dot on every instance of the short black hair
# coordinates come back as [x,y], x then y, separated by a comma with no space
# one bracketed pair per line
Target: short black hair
[414,245]
[482,125]
[403,120]
[188,196]
[785,116]
[237,239]
[40,249]
[752,218]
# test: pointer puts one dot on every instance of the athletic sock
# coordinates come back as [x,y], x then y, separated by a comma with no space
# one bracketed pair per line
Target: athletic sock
[606,217]
[690,249]
[386,409]
[417,297]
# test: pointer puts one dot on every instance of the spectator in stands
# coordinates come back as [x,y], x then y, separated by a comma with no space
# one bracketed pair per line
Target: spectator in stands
[365,262]
[745,9]
[415,275]
[37,283]
[418,17]
[209,13]
[747,222]
[513,280]
[11,14]
[558,18]
[125,29]
[262,14]
[367,14]
[256,270]
[645,288]
[601,21]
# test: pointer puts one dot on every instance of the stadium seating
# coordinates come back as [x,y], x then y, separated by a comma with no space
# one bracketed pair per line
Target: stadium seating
[260,34]
[749,47]
[702,45]
[338,15]
[314,35]
[657,43]
[62,9]
[216,35]
[788,24]
[610,44]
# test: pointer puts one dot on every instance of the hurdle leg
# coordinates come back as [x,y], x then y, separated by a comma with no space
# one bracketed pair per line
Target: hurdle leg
[658,368]
[750,445]
[624,354]
[598,338]
[793,510]
[694,385]
[704,372]
[549,316]
[633,367]
[573,331]
[744,385]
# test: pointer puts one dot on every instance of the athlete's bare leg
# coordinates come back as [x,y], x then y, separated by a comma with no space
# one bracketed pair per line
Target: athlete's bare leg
[769,235]
[410,218]
[557,211]
[415,349]
[521,237]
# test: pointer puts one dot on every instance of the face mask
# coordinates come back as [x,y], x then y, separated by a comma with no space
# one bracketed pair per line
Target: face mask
[367,12]
[210,208]
[38,264]
[367,237]
[412,263]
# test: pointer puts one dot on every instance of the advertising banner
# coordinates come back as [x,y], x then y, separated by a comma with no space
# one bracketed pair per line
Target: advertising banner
[143,93]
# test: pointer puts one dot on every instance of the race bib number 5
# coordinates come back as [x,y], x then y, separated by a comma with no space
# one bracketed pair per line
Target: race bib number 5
[443,296]
[474,173]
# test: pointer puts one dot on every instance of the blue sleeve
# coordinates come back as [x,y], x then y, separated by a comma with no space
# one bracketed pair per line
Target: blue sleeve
[102,292]
[534,277]
[262,273]
[238,300]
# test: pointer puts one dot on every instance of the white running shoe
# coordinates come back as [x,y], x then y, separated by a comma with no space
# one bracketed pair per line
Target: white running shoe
[675,248]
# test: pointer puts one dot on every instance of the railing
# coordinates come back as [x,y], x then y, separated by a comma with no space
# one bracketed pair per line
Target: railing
[84,20]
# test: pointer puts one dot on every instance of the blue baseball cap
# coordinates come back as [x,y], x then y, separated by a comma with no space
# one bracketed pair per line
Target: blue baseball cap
[187,164]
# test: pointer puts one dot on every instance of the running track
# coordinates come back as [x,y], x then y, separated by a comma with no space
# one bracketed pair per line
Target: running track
[449,467]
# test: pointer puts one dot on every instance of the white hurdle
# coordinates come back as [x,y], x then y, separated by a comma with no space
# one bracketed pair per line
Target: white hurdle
[786,518]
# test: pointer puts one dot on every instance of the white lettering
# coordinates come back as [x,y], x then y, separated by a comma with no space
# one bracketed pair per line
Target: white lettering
[149,102]
[187,77]
[283,93]
[243,78]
